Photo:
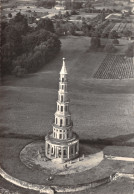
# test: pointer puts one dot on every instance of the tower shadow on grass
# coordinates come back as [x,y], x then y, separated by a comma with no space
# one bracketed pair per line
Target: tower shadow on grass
[121,140]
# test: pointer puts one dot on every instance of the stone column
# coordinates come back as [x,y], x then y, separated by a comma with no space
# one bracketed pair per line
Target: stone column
[58,152]
[68,152]
[55,149]
[74,149]
[50,150]
[46,148]
[78,147]
[62,152]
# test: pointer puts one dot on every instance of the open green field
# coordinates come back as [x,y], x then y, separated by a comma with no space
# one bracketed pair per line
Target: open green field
[101,109]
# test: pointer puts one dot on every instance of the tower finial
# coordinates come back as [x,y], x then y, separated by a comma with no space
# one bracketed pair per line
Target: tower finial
[63,69]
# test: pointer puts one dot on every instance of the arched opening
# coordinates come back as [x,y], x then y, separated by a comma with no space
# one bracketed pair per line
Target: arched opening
[62,79]
[64,153]
[48,148]
[61,98]
[56,120]
[60,122]
[66,121]
[52,151]
[60,136]
[61,108]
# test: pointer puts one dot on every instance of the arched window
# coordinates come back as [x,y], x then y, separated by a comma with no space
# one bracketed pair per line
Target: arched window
[61,98]
[64,152]
[56,120]
[62,79]
[66,121]
[61,108]
[60,122]
[60,136]
[58,107]
[62,87]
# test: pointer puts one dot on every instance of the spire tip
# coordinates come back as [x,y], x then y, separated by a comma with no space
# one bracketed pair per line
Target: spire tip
[63,69]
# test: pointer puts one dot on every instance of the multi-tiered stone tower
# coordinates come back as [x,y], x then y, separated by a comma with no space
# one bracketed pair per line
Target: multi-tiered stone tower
[63,142]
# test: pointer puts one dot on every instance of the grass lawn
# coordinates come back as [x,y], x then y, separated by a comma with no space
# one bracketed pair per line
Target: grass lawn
[11,163]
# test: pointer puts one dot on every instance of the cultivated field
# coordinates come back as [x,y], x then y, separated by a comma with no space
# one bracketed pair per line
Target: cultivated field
[101,109]
[115,67]
[119,27]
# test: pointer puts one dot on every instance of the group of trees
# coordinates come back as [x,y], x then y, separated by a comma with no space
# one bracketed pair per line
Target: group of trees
[26,47]
[64,28]
[109,47]
[95,44]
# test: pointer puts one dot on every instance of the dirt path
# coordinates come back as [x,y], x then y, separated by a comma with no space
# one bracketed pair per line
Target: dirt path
[119,158]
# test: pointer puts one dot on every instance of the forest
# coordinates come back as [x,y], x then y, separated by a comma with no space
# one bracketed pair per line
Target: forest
[27,48]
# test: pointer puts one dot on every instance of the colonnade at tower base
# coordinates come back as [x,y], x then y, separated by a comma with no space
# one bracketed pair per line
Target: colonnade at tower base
[64,150]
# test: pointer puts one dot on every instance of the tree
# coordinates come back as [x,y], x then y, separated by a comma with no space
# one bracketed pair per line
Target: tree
[85,28]
[127,33]
[3,32]
[88,5]
[27,49]
[95,43]
[19,22]
[110,48]
[102,15]
[8,55]
[46,24]
[77,5]
[14,39]
[40,47]
[10,15]
[113,34]
[115,41]
[130,50]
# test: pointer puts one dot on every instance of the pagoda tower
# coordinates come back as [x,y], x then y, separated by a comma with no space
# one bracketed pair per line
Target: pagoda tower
[62,142]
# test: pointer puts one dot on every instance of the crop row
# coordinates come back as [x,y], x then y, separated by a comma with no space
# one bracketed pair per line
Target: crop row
[108,28]
[121,27]
[115,67]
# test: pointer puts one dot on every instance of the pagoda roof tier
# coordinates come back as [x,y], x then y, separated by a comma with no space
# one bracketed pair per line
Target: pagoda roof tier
[63,127]
[62,114]
[66,102]
[62,91]
[62,142]
[65,82]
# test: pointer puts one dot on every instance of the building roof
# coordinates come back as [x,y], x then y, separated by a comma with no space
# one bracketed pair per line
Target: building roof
[63,69]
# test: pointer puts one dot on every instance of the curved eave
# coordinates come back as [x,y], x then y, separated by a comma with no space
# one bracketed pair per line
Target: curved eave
[62,115]
[67,102]
[63,127]
[61,142]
